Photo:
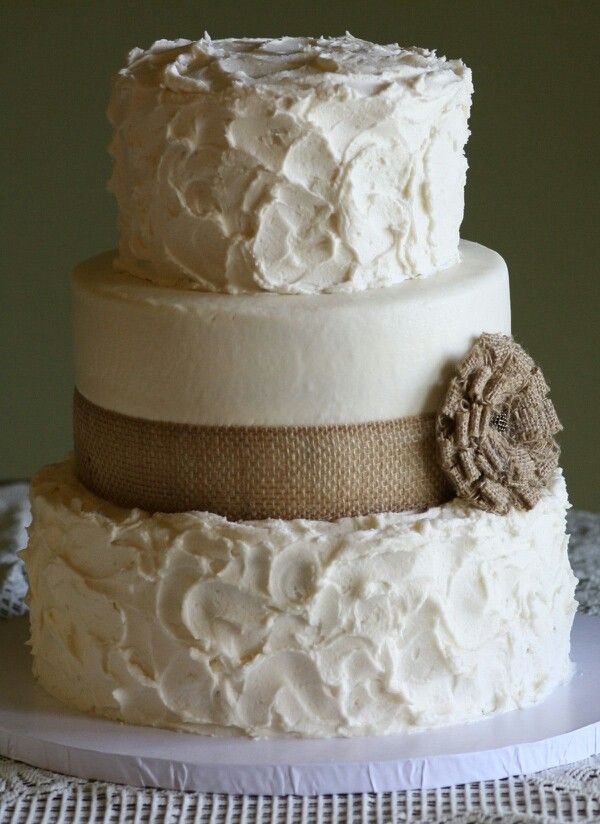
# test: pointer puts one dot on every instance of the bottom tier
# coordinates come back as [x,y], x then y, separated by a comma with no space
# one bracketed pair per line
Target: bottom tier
[371,625]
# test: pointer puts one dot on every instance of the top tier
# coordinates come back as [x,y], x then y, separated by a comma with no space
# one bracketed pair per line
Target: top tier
[292,165]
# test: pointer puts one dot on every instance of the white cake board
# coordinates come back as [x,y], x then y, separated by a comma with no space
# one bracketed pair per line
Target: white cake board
[40,731]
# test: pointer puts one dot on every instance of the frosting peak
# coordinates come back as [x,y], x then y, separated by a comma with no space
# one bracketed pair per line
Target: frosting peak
[208,65]
[297,165]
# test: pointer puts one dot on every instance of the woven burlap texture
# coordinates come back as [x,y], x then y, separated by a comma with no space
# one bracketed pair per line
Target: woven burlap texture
[496,426]
[257,472]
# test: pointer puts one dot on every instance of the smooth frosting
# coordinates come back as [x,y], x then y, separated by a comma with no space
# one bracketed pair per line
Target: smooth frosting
[292,165]
[191,357]
[370,625]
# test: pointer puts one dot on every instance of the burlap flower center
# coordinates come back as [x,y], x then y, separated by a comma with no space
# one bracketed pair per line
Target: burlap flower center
[495,429]
[501,421]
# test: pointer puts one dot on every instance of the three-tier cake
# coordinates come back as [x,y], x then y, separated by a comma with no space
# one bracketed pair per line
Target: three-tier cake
[315,488]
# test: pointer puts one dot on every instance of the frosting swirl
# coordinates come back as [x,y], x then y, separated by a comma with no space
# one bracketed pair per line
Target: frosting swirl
[378,624]
[292,165]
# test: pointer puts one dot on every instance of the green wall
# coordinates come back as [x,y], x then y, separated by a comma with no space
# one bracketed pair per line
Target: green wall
[531,193]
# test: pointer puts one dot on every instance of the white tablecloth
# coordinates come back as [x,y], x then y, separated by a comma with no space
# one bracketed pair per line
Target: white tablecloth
[32,796]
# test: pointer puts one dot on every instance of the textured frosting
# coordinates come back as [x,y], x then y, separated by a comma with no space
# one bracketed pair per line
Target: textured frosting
[378,624]
[292,165]
[191,357]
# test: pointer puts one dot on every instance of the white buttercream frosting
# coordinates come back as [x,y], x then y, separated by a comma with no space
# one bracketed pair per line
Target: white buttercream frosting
[191,357]
[290,165]
[377,624]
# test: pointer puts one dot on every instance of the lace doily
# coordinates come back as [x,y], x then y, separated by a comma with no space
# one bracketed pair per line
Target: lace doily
[14,517]
[32,796]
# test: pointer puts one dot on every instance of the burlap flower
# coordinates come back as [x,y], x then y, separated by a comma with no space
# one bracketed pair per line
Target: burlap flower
[495,428]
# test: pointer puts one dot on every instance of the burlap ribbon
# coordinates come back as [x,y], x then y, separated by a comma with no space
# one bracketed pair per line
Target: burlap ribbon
[256,472]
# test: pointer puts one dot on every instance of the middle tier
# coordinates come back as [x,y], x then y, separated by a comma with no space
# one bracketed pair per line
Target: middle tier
[189,357]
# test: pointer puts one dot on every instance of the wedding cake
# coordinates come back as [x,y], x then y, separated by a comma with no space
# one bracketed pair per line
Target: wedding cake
[315,487]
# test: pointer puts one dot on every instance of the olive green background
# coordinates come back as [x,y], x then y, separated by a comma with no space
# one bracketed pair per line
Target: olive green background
[532,187]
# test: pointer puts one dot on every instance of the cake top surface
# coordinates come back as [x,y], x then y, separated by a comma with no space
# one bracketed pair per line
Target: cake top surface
[289,165]
[209,65]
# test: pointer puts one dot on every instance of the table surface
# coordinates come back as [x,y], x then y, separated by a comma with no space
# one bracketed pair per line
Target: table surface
[29,795]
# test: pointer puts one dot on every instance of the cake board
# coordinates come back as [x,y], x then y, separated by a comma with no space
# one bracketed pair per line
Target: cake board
[40,731]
